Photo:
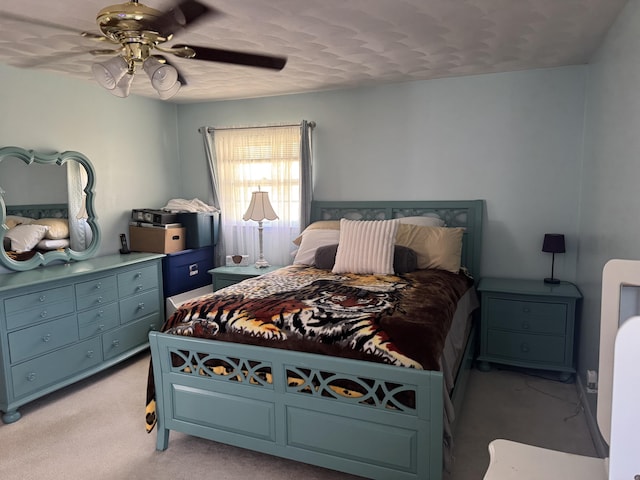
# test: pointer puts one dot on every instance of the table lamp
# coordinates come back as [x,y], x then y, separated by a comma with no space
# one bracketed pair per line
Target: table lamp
[260,209]
[553,243]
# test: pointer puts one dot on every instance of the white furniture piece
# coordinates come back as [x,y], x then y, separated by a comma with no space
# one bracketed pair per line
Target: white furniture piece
[618,399]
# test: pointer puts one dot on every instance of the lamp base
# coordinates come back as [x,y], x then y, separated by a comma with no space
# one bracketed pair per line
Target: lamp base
[553,281]
[262,263]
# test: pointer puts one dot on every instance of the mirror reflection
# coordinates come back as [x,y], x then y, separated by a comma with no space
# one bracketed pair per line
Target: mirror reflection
[47,208]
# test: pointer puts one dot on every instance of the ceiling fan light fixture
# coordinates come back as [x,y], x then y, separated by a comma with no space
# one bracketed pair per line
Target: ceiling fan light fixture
[167,94]
[124,86]
[109,73]
[163,77]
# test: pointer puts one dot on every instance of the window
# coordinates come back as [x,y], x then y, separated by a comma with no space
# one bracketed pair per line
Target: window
[267,159]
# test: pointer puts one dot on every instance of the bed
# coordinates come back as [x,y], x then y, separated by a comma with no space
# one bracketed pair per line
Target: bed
[35,229]
[360,415]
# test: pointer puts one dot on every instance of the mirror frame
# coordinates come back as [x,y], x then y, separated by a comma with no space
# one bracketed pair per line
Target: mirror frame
[30,157]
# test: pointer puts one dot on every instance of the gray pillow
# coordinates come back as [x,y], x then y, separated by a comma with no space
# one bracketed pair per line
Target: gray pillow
[405,260]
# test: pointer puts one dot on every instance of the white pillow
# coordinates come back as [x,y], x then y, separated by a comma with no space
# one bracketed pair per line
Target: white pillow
[319,225]
[15,220]
[311,241]
[366,246]
[25,237]
[423,221]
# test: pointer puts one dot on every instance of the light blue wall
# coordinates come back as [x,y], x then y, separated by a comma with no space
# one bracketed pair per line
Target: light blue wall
[131,142]
[609,221]
[513,139]
[522,141]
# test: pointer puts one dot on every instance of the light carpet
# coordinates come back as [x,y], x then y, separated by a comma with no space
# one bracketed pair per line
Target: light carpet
[95,430]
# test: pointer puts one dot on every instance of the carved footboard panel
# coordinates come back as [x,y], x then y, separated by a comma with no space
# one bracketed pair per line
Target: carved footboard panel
[374,420]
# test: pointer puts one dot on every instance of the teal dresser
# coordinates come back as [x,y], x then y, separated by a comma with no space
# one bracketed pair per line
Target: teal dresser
[528,323]
[62,323]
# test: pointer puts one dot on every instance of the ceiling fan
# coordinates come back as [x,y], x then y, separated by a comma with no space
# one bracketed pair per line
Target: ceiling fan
[141,32]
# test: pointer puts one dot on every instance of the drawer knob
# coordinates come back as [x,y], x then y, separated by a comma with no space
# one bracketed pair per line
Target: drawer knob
[141,306]
[139,287]
[46,338]
[525,325]
[90,354]
[43,314]
[98,285]
[152,327]
[31,376]
[101,313]
[99,299]
[524,347]
[115,343]
[526,309]
[42,298]
[138,275]
[100,327]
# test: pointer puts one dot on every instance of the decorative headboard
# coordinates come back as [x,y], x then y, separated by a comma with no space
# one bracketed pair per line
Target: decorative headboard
[50,210]
[455,213]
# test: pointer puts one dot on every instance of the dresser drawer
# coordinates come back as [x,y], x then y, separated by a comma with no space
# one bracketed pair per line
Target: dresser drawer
[525,316]
[40,372]
[96,292]
[42,338]
[98,320]
[39,306]
[138,306]
[129,336]
[138,280]
[43,297]
[523,347]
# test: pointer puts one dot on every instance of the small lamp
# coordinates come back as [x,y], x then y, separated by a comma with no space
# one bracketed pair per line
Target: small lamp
[260,209]
[553,243]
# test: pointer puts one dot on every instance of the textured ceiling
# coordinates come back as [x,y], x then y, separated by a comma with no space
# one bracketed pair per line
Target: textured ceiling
[329,43]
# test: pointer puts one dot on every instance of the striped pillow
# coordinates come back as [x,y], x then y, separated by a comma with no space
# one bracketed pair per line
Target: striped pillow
[366,246]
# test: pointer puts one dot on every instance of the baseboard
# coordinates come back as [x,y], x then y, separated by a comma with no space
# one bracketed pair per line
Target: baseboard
[600,445]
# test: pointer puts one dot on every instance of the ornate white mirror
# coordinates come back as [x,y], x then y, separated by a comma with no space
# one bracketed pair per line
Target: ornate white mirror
[47,209]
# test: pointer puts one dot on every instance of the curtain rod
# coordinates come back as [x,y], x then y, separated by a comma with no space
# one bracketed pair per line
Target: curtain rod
[312,124]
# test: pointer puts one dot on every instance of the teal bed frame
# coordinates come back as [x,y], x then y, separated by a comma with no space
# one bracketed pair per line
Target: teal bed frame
[374,436]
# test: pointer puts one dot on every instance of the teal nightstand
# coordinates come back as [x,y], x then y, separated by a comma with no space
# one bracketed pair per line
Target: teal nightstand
[225,276]
[528,323]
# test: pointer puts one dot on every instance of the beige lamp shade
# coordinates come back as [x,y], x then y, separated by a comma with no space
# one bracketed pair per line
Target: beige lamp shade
[260,208]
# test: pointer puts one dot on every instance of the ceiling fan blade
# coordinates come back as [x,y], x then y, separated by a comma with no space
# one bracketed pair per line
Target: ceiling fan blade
[184,14]
[230,56]
[34,21]
[33,62]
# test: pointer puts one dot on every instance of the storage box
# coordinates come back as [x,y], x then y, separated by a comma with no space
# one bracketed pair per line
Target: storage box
[156,239]
[150,215]
[186,270]
[202,228]
[173,303]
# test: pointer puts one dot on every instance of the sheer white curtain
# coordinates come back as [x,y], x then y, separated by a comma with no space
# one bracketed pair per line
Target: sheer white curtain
[268,159]
[79,232]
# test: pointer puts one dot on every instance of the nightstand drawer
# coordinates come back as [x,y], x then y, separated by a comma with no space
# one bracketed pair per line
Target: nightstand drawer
[220,283]
[529,348]
[525,316]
